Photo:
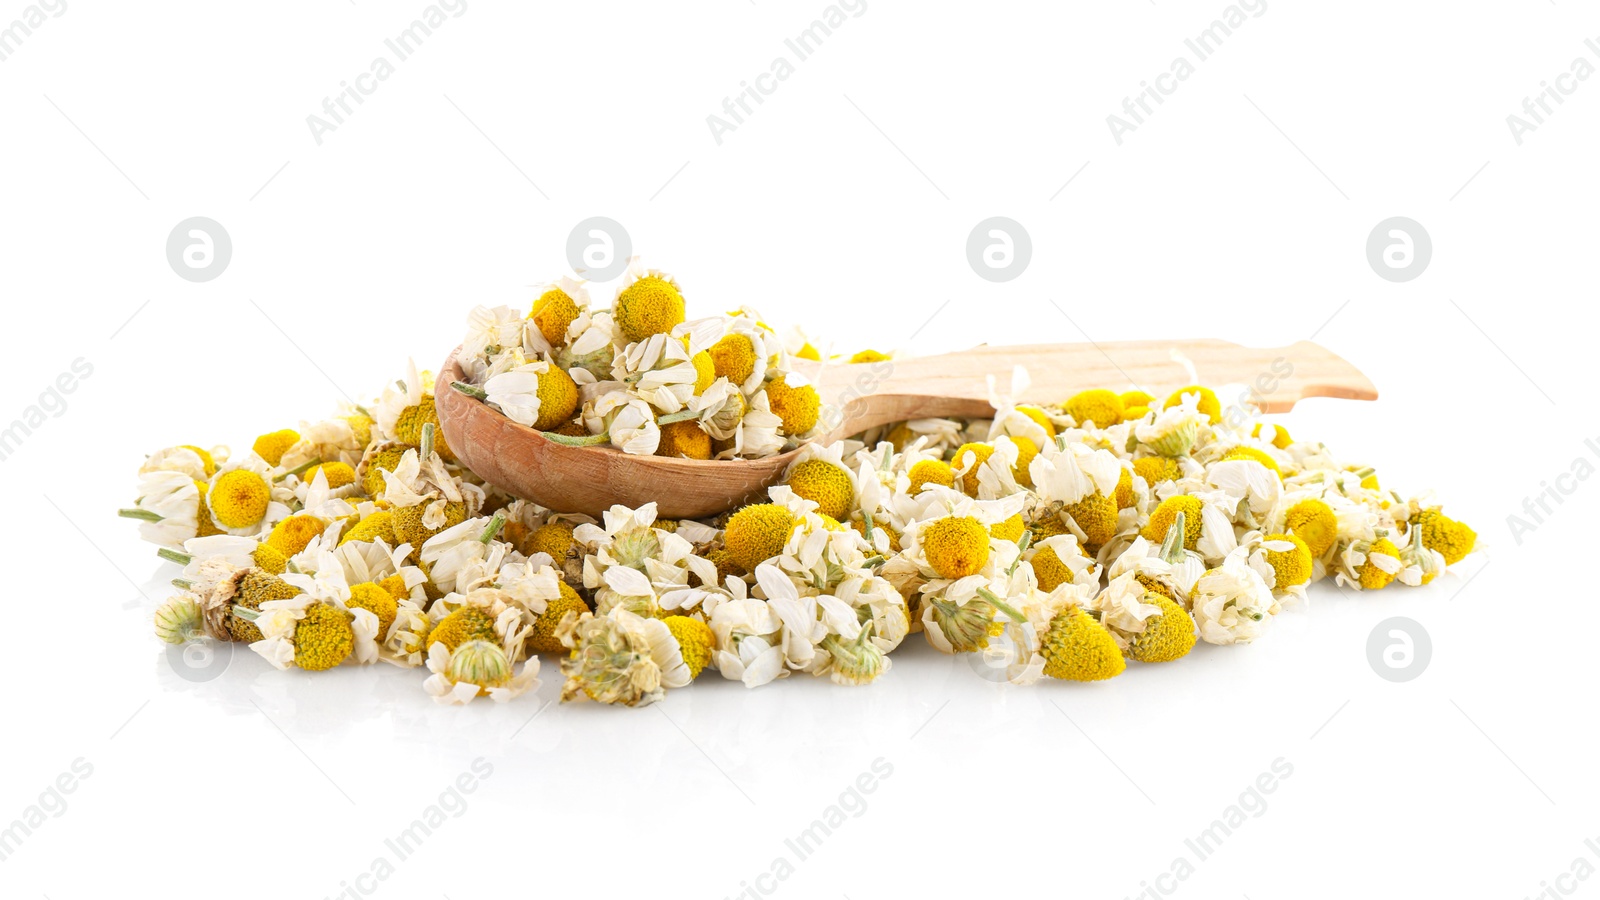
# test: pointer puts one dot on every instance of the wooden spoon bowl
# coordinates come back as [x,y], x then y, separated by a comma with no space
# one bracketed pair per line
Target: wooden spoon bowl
[854,398]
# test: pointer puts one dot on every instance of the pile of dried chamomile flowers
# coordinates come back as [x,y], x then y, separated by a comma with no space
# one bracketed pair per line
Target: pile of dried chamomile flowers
[1075,537]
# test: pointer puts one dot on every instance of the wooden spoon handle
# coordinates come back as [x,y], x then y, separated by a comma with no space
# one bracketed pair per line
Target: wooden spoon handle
[866,395]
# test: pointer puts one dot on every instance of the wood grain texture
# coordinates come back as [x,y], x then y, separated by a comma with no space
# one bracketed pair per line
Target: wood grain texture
[524,463]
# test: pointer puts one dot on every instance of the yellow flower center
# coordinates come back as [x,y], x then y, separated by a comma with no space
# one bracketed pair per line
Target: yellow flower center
[409,528]
[651,305]
[553,312]
[558,398]
[1313,521]
[378,526]
[956,546]
[825,484]
[1050,571]
[1155,530]
[408,428]
[733,358]
[1026,451]
[797,407]
[1167,636]
[272,445]
[1452,539]
[372,483]
[1256,455]
[1132,399]
[1124,491]
[971,457]
[360,428]
[684,439]
[293,534]
[1290,567]
[554,538]
[1209,405]
[323,638]
[1010,530]
[705,371]
[694,641]
[338,474]
[1077,648]
[1370,576]
[1096,514]
[757,533]
[377,600]
[239,499]
[1156,469]
[931,471]
[542,639]
[269,559]
[469,623]
[1103,408]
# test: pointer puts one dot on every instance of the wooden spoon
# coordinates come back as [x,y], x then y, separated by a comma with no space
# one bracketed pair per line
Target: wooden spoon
[854,398]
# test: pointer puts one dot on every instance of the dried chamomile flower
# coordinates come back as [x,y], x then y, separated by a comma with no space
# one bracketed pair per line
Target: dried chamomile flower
[477,668]
[178,620]
[1078,648]
[190,460]
[271,446]
[1172,432]
[1058,560]
[795,403]
[1420,564]
[757,533]
[242,497]
[1168,635]
[620,658]
[556,306]
[1231,603]
[171,508]
[1313,521]
[1098,407]
[931,471]
[1021,423]
[313,634]
[625,421]
[542,636]
[1284,561]
[1369,565]
[1203,399]
[406,408]
[820,475]
[538,394]
[1452,539]
[648,303]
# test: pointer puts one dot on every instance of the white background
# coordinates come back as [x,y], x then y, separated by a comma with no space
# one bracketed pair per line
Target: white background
[1239,210]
